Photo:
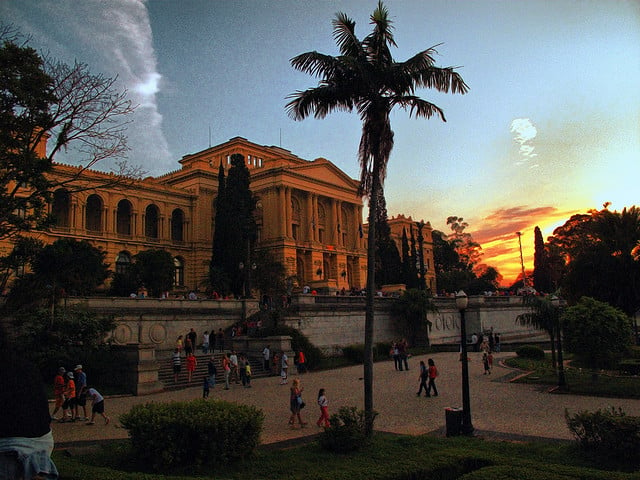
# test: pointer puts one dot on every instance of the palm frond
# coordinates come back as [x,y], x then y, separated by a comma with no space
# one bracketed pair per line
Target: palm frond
[319,101]
[315,64]
[345,36]
[419,107]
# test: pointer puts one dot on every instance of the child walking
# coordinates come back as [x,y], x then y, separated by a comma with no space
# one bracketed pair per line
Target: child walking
[485,363]
[324,409]
[247,374]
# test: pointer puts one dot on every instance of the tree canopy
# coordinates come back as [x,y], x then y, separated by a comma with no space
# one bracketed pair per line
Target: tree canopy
[44,101]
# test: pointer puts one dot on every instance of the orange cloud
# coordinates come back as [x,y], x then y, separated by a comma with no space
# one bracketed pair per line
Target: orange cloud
[496,234]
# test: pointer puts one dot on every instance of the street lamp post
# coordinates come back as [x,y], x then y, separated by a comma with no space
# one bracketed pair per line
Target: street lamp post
[562,381]
[461,303]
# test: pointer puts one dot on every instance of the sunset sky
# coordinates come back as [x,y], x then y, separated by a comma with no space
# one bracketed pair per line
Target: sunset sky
[550,127]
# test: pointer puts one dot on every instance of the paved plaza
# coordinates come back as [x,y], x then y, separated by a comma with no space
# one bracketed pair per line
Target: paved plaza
[499,408]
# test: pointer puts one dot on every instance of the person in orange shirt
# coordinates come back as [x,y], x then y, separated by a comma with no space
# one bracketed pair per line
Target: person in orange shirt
[58,391]
[70,398]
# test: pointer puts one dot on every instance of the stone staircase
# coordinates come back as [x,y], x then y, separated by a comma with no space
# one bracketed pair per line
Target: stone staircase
[165,372]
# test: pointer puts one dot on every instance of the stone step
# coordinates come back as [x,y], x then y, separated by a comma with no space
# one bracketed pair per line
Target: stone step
[165,371]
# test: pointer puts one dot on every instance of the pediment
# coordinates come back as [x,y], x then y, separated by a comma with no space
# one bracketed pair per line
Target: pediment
[322,170]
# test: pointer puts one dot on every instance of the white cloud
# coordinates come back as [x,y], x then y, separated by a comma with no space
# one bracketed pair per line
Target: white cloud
[113,38]
[524,132]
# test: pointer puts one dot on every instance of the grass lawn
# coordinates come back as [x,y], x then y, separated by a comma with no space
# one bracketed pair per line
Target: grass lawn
[580,381]
[392,457]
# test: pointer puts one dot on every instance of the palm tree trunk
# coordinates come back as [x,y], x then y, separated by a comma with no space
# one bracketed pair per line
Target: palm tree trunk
[369,312]
[552,337]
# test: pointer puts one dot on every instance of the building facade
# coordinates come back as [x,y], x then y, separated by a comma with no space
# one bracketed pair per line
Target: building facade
[309,215]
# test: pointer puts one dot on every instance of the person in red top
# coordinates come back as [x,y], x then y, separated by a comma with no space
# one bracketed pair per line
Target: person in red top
[70,398]
[302,362]
[191,365]
[58,391]
[433,373]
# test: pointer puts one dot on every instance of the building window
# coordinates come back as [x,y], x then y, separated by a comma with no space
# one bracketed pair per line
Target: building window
[60,208]
[93,213]
[178,279]
[177,225]
[151,216]
[123,263]
[123,218]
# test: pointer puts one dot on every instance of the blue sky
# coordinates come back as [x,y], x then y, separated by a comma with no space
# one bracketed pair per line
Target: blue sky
[550,126]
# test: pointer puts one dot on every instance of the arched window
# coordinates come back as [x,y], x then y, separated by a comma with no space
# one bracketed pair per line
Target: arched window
[177,225]
[123,262]
[93,213]
[123,217]
[151,216]
[178,279]
[60,208]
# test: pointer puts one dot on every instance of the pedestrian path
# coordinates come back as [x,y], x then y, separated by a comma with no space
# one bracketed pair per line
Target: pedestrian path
[499,408]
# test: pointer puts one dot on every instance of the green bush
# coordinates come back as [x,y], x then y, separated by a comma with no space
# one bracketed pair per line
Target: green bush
[530,351]
[607,433]
[346,432]
[633,352]
[199,432]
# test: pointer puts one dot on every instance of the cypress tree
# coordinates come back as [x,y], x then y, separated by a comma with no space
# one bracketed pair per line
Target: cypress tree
[388,264]
[217,275]
[541,266]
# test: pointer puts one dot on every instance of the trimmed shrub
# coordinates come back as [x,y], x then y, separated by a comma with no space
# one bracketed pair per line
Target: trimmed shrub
[531,352]
[346,432]
[607,433]
[200,432]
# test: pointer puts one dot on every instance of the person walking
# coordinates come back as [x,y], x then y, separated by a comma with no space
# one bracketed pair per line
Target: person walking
[284,368]
[205,342]
[485,363]
[433,373]
[220,340]
[296,403]
[70,398]
[177,366]
[302,362]
[212,371]
[233,363]
[248,374]
[266,356]
[226,367]
[323,403]
[58,391]
[97,402]
[81,393]
[423,376]
[192,362]
[205,387]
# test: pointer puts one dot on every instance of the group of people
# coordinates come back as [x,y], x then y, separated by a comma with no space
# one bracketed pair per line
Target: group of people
[487,344]
[400,355]
[71,392]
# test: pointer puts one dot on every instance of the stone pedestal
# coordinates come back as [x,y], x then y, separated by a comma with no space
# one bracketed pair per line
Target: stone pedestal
[139,369]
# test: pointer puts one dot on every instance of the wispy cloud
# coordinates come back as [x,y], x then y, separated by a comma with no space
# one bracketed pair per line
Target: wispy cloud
[524,132]
[113,38]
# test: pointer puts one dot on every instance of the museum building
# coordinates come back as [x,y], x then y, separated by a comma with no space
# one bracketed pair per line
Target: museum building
[309,216]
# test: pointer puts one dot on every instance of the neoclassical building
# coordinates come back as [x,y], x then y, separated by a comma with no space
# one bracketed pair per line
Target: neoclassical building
[309,216]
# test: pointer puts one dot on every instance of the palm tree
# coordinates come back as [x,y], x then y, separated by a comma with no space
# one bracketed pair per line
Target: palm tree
[365,77]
